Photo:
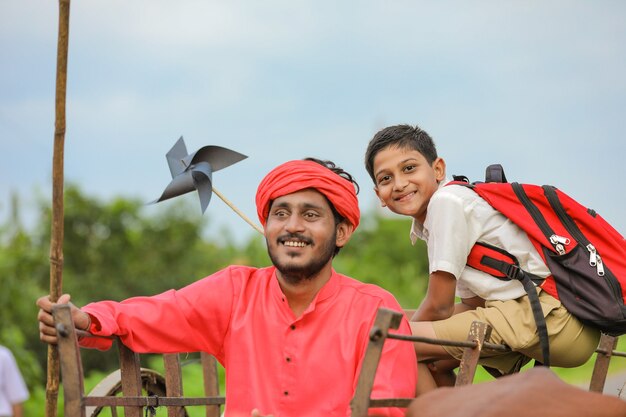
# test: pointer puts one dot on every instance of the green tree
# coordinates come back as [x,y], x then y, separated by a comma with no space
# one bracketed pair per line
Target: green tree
[113,250]
[20,257]
[381,253]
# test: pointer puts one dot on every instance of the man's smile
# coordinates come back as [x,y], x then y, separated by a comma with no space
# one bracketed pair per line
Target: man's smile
[294,241]
[295,244]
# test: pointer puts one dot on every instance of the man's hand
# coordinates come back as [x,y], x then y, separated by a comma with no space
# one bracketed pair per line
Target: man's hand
[47,331]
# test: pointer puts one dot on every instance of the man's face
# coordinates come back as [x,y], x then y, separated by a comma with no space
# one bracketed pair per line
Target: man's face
[405,181]
[301,235]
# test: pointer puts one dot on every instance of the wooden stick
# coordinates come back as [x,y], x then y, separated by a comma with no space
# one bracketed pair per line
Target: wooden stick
[236,210]
[56,239]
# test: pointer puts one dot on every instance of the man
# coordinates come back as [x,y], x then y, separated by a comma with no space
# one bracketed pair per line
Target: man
[291,336]
[13,391]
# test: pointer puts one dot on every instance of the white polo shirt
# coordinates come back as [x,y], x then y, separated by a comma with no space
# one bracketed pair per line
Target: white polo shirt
[456,219]
[12,387]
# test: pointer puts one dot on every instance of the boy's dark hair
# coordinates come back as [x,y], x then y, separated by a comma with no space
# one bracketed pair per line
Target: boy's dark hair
[403,137]
[339,171]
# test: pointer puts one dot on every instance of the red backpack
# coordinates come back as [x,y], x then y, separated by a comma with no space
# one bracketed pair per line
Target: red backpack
[585,255]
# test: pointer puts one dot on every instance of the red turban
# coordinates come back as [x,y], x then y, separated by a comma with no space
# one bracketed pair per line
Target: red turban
[298,175]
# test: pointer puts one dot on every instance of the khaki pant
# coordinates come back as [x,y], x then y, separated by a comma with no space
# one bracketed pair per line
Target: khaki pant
[571,342]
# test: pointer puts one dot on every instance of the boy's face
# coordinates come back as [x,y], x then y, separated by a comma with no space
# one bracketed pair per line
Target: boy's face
[405,181]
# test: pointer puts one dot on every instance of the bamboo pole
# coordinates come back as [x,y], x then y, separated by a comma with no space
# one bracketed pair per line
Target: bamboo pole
[56,239]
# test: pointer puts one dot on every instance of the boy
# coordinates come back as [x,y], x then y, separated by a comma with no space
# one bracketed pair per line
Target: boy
[409,179]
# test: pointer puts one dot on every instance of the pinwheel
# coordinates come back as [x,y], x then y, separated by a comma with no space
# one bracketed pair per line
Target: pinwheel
[194,172]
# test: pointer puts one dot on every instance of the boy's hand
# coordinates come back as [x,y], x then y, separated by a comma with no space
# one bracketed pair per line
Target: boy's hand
[47,331]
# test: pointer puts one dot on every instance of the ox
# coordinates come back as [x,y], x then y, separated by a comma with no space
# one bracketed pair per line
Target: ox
[537,392]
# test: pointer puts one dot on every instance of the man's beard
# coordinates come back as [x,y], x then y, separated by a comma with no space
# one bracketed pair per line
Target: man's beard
[294,273]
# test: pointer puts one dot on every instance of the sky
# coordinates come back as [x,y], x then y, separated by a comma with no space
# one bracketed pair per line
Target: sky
[537,86]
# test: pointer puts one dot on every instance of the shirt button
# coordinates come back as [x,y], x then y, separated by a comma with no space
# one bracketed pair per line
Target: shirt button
[288,359]
[286,392]
[293,327]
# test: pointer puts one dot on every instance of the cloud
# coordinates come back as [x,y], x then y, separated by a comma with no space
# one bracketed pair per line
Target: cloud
[536,86]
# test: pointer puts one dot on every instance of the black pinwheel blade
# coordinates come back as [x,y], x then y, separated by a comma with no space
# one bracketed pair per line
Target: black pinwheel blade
[195,171]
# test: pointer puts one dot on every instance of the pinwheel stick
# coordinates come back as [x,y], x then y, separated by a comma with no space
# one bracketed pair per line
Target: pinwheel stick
[236,210]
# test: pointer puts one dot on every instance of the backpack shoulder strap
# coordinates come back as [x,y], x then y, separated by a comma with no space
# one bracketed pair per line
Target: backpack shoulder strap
[504,266]
[460,179]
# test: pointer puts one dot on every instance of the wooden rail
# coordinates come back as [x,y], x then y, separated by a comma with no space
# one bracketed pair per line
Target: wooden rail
[139,388]
[387,320]
[136,389]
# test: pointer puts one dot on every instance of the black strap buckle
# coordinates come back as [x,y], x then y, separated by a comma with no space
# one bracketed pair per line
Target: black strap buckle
[514,272]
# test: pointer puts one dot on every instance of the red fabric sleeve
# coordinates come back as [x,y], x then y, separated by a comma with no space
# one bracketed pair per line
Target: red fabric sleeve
[194,318]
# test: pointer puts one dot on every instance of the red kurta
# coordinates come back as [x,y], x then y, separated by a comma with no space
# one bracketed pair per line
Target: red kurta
[275,362]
